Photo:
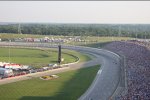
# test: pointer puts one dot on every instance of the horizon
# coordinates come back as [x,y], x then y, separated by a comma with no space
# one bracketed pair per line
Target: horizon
[75,23]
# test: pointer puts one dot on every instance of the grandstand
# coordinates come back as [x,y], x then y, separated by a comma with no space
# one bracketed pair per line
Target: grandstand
[137,56]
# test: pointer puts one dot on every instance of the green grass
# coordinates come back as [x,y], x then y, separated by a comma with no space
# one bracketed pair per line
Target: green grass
[11,35]
[38,57]
[82,57]
[69,86]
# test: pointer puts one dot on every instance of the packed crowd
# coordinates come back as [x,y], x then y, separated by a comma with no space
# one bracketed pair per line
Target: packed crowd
[138,68]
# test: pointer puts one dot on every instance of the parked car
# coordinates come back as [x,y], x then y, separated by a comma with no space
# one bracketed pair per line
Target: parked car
[6,72]
[45,68]
[32,71]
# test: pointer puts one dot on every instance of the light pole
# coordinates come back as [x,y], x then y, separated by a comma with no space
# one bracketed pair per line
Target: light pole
[145,35]
[9,50]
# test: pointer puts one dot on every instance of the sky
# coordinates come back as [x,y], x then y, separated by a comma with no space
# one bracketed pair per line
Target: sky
[120,12]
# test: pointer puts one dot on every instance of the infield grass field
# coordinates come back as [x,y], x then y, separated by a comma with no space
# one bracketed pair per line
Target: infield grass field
[69,86]
[39,57]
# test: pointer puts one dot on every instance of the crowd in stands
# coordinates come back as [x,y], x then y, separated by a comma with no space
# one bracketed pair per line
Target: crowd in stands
[137,55]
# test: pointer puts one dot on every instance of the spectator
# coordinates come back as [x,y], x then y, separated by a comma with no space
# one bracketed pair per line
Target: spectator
[137,55]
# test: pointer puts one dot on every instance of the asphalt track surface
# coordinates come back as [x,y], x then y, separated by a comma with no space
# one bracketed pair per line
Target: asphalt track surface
[106,80]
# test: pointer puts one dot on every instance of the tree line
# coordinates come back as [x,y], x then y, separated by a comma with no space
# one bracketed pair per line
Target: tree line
[124,30]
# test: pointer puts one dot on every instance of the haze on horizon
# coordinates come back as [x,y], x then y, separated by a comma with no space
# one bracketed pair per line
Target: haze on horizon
[105,12]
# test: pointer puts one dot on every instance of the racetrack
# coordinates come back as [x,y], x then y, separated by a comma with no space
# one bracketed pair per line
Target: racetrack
[107,78]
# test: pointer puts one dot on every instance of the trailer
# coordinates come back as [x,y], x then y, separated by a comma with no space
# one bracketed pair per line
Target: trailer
[4,73]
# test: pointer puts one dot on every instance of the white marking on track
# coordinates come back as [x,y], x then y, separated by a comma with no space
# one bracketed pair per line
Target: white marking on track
[99,72]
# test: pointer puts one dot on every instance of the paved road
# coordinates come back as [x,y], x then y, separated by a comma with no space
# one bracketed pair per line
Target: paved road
[106,81]
[107,78]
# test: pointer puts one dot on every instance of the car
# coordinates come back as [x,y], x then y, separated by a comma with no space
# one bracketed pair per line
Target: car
[32,71]
[45,68]
[4,73]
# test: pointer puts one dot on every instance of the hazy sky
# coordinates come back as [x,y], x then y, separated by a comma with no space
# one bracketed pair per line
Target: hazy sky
[75,11]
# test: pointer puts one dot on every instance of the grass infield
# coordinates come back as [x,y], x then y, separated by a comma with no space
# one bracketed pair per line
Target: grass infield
[69,86]
[38,57]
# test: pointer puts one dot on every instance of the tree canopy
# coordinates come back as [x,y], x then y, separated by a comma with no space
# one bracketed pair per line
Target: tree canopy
[130,30]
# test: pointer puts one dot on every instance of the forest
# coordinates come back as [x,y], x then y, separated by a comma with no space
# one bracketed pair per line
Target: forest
[124,30]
